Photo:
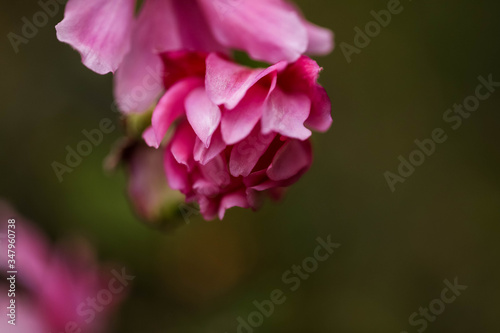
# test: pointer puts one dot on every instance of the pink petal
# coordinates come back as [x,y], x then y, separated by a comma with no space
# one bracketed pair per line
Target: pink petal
[206,187]
[139,81]
[320,118]
[149,136]
[99,30]
[227,83]
[265,185]
[170,107]
[302,77]
[246,154]
[320,40]
[286,114]
[208,207]
[179,65]
[237,123]
[255,198]
[260,182]
[235,199]
[177,174]
[216,171]
[203,115]
[271,31]
[194,30]
[255,178]
[182,145]
[203,154]
[291,159]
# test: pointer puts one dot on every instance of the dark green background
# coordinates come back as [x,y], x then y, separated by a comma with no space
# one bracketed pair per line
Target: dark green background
[397,248]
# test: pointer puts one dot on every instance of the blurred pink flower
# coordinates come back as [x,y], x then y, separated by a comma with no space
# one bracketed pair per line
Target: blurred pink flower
[110,38]
[51,284]
[241,131]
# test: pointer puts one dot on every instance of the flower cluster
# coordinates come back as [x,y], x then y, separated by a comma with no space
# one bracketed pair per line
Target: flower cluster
[230,134]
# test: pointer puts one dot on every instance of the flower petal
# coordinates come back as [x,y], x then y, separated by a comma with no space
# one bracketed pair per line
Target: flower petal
[206,188]
[227,82]
[216,171]
[179,65]
[194,29]
[203,115]
[170,107]
[182,145]
[293,158]
[139,80]
[203,154]
[149,136]
[320,40]
[302,77]
[99,30]
[320,118]
[246,154]
[271,31]
[177,174]
[285,114]
[235,199]
[208,207]
[237,123]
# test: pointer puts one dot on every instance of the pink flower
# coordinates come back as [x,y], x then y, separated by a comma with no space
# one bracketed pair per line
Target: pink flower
[241,132]
[51,284]
[110,38]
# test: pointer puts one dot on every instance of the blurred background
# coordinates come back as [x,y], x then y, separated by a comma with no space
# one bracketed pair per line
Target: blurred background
[396,248]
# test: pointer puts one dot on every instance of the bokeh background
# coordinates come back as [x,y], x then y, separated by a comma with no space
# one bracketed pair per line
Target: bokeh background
[397,248]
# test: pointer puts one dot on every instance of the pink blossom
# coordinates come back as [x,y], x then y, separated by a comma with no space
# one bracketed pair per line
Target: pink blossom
[51,284]
[111,38]
[240,133]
